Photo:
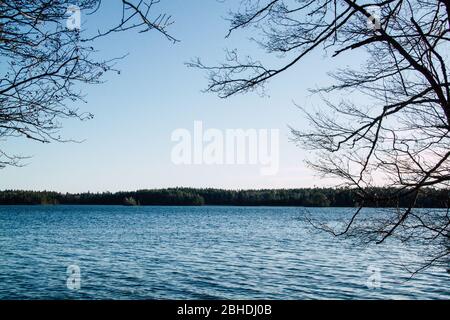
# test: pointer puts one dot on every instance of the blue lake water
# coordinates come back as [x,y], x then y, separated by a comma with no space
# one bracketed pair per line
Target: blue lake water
[196,253]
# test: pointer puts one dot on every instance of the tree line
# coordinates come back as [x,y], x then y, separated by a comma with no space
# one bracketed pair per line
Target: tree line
[308,197]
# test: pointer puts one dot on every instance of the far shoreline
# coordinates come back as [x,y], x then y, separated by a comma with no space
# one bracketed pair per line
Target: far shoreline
[195,197]
[205,206]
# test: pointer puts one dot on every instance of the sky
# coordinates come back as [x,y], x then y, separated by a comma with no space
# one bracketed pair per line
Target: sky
[128,145]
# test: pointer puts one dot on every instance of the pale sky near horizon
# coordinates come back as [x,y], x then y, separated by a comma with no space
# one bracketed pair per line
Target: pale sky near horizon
[127,146]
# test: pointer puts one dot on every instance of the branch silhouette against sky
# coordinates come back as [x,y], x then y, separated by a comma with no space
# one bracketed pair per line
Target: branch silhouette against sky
[396,136]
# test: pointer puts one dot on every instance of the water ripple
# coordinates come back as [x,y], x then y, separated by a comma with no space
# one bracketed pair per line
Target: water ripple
[193,253]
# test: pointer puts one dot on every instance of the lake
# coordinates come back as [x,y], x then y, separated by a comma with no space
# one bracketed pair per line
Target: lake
[197,253]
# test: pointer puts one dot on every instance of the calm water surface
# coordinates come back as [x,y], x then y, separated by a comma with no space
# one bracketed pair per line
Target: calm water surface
[196,253]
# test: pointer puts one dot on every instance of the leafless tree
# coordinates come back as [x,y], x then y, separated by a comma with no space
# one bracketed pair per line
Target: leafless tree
[43,60]
[385,123]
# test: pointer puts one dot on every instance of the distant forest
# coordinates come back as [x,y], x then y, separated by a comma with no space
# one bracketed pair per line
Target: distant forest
[317,197]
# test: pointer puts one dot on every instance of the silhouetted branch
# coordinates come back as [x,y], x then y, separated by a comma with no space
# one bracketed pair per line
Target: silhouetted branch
[44,62]
[397,135]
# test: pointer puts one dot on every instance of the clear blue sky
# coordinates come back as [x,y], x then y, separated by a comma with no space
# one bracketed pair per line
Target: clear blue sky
[127,145]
